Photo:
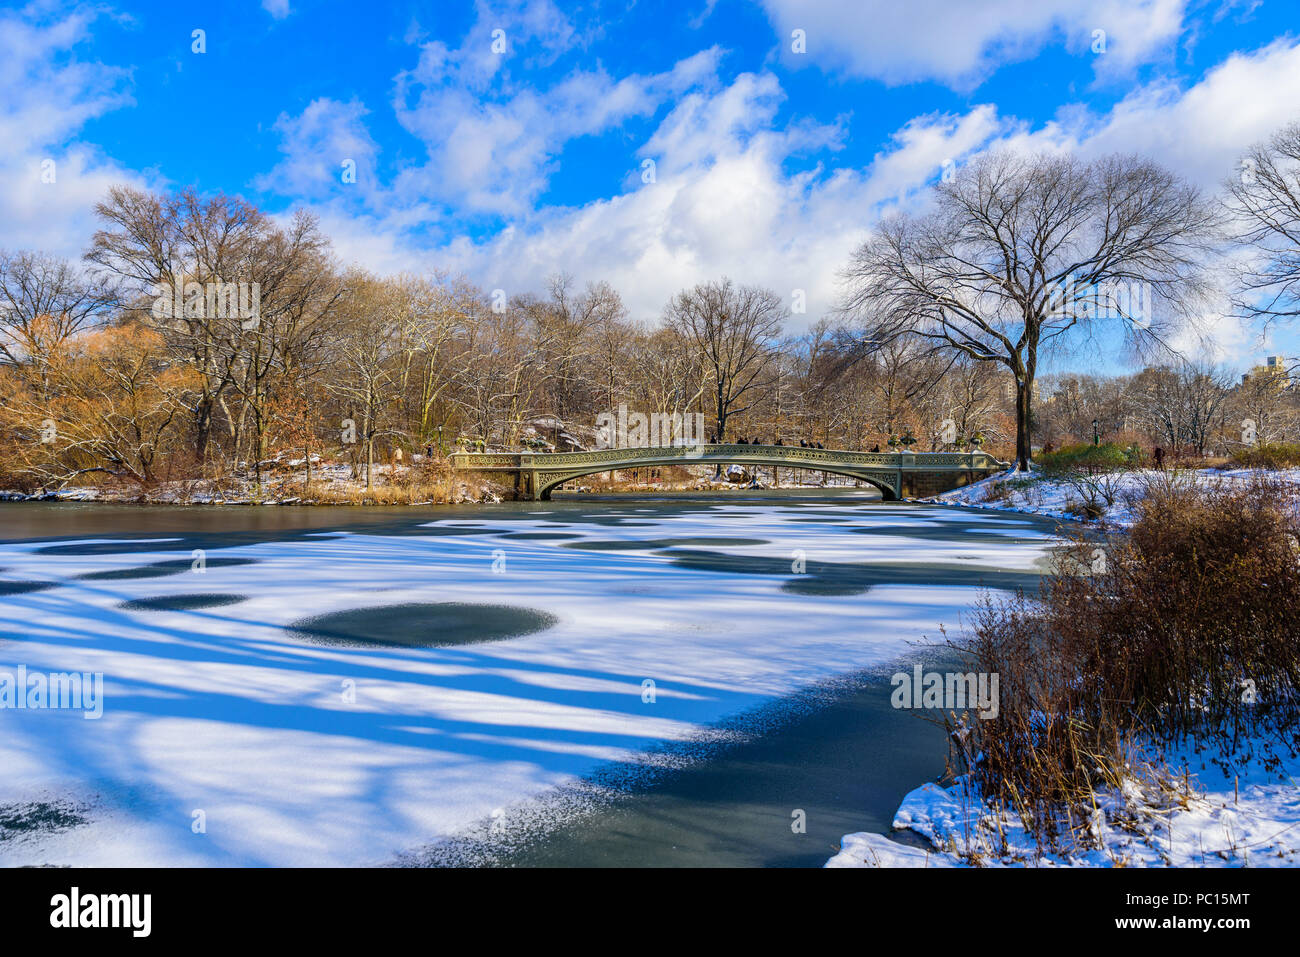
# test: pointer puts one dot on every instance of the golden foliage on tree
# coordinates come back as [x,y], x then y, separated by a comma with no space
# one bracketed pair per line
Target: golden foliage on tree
[109,401]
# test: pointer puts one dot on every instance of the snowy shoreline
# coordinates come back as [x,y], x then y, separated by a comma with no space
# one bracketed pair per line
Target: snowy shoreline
[1250,819]
[465,492]
[1012,491]
[1247,820]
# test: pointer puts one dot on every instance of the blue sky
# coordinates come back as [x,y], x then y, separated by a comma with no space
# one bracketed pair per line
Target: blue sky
[770,164]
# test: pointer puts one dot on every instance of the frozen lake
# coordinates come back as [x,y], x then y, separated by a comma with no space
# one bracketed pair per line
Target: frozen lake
[612,681]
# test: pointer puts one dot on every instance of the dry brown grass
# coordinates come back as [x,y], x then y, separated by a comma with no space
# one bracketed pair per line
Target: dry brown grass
[428,485]
[1185,628]
[1278,455]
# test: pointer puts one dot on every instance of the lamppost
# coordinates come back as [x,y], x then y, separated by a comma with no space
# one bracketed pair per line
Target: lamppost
[1096,436]
[440,448]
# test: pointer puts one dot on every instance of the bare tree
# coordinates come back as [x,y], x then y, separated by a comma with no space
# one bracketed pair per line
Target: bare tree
[299,290]
[613,336]
[438,311]
[160,244]
[1265,198]
[375,316]
[156,244]
[969,397]
[734,329]
[44,302]
[670,376]
[502,372]
[1074,401]
[110,408]
[1019,250]
[1182,405]
[1263,408]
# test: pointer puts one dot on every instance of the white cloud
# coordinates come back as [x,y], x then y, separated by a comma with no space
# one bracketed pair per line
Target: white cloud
[731,198]
[43,101]
[317,143]
[962,43]
[493,140]
[46,97]
[279,9]
[1200,131]
[741,189]
[724,203]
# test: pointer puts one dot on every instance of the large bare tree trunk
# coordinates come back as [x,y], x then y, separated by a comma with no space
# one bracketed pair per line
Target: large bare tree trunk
[1024,441]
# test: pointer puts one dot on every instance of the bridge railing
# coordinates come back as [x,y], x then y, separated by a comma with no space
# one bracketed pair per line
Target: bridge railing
[795,456]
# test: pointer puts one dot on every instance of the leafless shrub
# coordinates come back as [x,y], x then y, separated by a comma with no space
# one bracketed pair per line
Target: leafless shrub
[1182,629]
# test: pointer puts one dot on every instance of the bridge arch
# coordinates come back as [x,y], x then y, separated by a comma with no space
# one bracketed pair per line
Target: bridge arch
[549,481]
[896,474]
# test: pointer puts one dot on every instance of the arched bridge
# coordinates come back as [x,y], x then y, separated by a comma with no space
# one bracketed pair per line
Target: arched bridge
[896,474]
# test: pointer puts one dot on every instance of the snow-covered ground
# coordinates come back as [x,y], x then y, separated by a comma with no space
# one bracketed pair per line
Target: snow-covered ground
[1249,820]
[1013,491]
[226,741]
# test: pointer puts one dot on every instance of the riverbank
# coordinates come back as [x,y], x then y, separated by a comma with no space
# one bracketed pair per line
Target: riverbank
[1199,569]
[414,485]
[1035,494]
[289,483]
[1188,814]
[467,492]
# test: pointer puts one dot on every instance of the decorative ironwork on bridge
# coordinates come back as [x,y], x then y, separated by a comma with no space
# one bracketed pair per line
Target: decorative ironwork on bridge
[896,474]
